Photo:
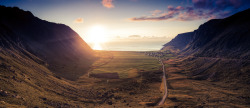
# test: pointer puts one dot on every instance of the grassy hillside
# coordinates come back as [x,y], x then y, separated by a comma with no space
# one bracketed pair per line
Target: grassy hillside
[207,82]
[27,82]
[212,66]
[35,58]
[56,44]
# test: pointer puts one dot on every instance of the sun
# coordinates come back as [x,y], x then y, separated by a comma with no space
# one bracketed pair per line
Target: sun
[97,35]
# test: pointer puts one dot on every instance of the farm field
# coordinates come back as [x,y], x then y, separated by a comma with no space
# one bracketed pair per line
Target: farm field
[123,64]
[124,78]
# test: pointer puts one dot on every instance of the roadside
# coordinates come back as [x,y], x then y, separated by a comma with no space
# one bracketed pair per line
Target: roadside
[164,97]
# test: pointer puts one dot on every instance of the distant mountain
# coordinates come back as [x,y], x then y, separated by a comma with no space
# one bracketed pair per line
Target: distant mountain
[56,45]
[226,38]
[179,42]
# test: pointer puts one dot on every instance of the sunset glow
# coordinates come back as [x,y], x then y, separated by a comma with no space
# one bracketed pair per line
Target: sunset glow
[113,23]
[97,35]
[97,46]
[124,53]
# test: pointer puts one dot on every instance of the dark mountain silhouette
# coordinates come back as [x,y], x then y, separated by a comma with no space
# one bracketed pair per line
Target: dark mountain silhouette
[37,58]
[227,38]
[56,45]
[179,42]
[219,50]
[217,54]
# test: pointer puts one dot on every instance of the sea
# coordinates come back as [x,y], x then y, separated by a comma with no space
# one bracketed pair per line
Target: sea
[132,45]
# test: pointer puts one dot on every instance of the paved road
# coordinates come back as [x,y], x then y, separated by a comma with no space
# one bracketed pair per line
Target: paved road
[165,85]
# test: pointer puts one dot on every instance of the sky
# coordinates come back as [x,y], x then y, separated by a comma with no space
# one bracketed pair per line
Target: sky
[136,21]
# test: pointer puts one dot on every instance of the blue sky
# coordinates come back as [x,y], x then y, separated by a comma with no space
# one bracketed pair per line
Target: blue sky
[123,18]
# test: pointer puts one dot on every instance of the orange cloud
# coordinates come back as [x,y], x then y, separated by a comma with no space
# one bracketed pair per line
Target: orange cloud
[79,20]
[108,3]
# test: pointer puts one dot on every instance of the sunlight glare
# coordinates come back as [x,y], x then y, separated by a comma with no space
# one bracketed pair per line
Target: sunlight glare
[97,34]
[97,46]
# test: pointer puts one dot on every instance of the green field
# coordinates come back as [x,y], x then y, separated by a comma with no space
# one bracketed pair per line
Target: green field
[126,64]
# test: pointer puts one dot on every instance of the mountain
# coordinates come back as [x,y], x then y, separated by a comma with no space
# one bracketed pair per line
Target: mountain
[226,38]
[179,42]
[38,60]
[215,60]
[219,50]
[55,45]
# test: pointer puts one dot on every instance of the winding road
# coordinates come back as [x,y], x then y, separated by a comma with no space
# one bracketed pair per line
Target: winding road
[165,84]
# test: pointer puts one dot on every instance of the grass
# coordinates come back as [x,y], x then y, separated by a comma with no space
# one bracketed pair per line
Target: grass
[32,84]
[139,79]
[28,82]
[126,64]
[187,90]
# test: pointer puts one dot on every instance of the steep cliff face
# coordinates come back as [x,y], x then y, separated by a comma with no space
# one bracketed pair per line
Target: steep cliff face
[56,44]
[179,42]
[227,38]
[219,50]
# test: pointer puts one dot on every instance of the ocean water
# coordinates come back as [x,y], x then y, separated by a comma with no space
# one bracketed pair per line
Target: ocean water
[132,45]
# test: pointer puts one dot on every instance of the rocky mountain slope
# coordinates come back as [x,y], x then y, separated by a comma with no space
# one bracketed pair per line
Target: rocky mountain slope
[37,61]
[56,45]
[213,62]
[227,38]
[219,50]
[179,42]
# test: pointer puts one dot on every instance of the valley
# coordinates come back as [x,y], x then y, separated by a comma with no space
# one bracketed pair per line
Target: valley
[48,65]
[136,82]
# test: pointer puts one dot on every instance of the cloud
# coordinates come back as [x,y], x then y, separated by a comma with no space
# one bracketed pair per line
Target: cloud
[156,12]
[201,9]
[158,18]
[134,36]
[138,38]
[79,20]
[159,15]
[108,3]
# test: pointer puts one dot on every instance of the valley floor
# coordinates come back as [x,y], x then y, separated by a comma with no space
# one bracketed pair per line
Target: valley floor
[117,79]
[124,79]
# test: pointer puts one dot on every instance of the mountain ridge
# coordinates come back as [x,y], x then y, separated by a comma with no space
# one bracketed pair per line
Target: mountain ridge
[51,42]
[228,38]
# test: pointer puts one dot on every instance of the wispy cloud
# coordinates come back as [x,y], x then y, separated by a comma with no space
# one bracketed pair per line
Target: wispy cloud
[134,36]
[79,20]
[158,15]
[108,3]
[140,38]
[201,9]
[156,12]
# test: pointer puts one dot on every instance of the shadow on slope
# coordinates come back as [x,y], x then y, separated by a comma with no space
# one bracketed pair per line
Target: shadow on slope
[64,51]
